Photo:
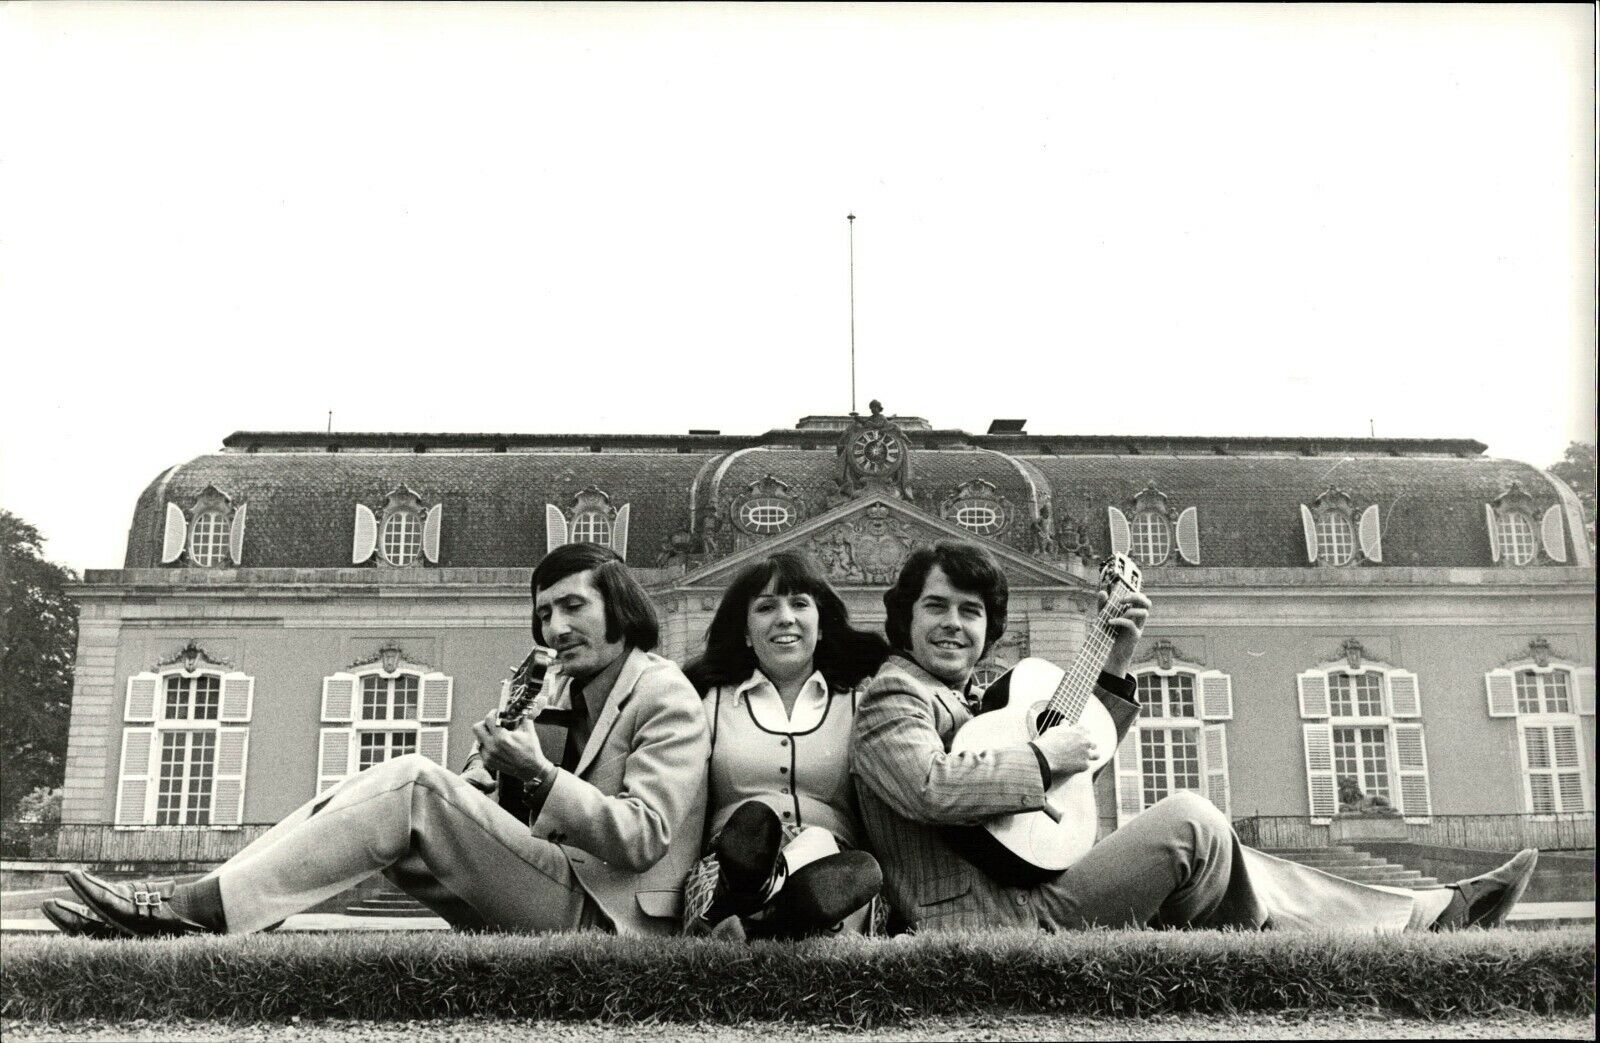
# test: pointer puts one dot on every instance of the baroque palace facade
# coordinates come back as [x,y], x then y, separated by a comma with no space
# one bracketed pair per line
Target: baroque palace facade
[1335,621]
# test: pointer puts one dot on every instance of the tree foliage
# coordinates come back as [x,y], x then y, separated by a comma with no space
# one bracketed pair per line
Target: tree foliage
[38,640]
[1576,468]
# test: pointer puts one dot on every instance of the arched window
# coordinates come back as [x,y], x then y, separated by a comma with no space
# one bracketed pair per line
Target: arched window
[1518,545]
[401,539]
[591,527]
[381,715]
[1364,745]
[765,515]
[1178,742]
[1336,542]
[1150,538]
[208,539]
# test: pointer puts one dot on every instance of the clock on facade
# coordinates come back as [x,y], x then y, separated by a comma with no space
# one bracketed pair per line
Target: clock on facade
[875,451]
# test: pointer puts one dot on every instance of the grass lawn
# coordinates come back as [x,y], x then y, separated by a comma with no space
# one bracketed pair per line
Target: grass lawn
[846,982]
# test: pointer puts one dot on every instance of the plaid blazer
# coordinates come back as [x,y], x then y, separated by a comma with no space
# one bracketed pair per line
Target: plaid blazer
[910,786]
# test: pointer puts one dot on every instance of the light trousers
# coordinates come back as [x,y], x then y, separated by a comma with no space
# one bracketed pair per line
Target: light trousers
[430,832]
[1180,864]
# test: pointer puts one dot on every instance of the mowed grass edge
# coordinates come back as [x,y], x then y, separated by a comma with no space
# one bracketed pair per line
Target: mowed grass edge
[833,981]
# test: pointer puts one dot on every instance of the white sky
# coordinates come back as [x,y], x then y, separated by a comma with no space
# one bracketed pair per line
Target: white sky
[1279,220]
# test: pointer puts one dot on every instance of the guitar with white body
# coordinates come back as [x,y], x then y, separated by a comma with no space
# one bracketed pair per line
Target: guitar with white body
[1032,847]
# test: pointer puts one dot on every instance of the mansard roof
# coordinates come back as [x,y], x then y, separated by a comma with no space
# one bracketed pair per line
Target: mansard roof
[302,488]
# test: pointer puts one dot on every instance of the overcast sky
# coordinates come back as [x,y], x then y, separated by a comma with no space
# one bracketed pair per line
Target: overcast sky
[1279,220]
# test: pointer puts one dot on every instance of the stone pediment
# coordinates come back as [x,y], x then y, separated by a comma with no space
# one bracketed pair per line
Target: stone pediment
[864,542]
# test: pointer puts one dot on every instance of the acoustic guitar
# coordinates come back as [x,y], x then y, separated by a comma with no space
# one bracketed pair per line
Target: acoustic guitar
[523,701]
[1033,847]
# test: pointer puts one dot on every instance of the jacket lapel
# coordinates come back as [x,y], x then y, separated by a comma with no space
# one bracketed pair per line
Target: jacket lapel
[954,705]
[621,692]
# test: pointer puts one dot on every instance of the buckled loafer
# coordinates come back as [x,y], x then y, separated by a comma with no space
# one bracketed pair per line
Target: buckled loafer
[140,909]
[79,921]
[820,894]
[1486,900]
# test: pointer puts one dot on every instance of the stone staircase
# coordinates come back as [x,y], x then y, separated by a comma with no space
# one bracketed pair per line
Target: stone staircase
[1363,868]
[389,903]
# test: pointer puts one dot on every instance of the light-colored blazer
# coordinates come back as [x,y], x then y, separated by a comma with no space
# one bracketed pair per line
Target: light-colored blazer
[911,786]
[631,816]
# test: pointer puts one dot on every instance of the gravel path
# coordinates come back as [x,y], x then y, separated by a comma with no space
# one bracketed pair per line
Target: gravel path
[1031,1027]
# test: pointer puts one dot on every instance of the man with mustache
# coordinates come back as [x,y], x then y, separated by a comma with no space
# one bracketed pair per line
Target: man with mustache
[614,827]
[1179,864]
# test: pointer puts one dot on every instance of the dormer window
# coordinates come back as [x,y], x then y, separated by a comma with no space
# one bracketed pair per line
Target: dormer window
[1150,538]
[401,541]
[591,527]
[978,507]
[1336,540]
[1517,544]
[208,539]
[592,519]
[766,507]
[404,536]
[209,534]
[1147,532]
[1333,533]
[1514,537]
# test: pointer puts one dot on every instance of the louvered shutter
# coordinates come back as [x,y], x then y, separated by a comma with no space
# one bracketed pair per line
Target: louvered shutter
[555,527]
[430,533]
[619,531]
[1214,748]
[1536,769]
[334,757]
[1569,768]
[1585,681]
[1308,522]
[1501,686]
[1405,697]
[1554,534]
[140,704]
[236,534]
[432,743]
[134,784]
[1129,776]
[1189,535]
[1216,696]
[366,535]
[437,692]
[1322,792]
[227,788]
[1313,694]
[1493,521]
[177,532]
[339,697]
[1371,534]
[1411,764]
[1119,530]
[238,697]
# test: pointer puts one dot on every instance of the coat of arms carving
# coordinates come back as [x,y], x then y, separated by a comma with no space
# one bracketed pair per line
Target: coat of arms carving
[866,549]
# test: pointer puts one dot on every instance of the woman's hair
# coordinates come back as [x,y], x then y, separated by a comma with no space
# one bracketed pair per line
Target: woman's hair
[846,656]
[968,567]
[629,613]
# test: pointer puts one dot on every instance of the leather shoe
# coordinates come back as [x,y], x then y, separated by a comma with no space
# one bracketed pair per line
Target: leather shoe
[748,853]
[139,909]
[79,921]
[1486,900]
[819,894]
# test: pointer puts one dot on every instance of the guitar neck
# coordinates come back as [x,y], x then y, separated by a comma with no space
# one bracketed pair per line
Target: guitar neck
[1077,684]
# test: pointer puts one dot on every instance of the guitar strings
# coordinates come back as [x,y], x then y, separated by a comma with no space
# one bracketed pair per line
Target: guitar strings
[1072,694]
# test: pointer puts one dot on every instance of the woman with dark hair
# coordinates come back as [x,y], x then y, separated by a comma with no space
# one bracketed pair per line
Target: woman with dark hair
[778,678]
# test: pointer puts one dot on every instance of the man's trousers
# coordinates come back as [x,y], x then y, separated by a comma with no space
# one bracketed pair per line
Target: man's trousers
[430,832]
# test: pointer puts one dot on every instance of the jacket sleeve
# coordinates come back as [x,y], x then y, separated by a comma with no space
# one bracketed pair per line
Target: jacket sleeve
[662,779]
[1120,697]
[899,754]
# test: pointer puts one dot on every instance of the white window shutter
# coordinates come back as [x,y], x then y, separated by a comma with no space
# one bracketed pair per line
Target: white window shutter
[238,697]
[339,697]
[1536,777]
[555,527]
[1501,686]
[335,758]
[1308,522]
[134,789]
[1214,748]
[1493,521]
[1313,694]
[141,702]
[1216,696]
[172,540]
[1189,535]
[1554,534]
[1322,791]
[1585,679]
[433,743]
[437,692]
[1405,698]
[1411,763]
[430,533]
[366,535]
[1129,776]
[1120,539]
[619,531]
[1570,780]
[1371,534]
[227,788]
[236,534]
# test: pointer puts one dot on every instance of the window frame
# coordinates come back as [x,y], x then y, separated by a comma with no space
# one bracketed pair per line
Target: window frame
[1549,720]
[160,724]
[1141,525]
[398,516]
[1326,517]
[598,523]
[218,538]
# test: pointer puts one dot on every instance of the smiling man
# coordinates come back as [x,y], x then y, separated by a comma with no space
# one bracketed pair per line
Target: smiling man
[614,828]
[1179,864]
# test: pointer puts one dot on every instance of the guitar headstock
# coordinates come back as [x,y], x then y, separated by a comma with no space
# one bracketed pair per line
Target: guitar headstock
[527,682]
[1119,569]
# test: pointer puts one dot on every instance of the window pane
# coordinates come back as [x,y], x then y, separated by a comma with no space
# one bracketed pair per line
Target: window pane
[1527,692]
[1375,761]
[1180,691]
[1185,759]
[1340,699]
[374,698]
[208,539]
[402,537]
[405,698]
[979,516]
[1151,698]
[766,515]
[1346,755]
[1153,748]
[207,697]
[1516,538]
[1150,538]
[183,795]
[177,708]
[592,527]
[1369,694]
[1556,699]
[1335,539]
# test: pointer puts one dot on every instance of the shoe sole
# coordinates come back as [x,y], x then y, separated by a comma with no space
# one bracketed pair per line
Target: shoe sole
[82,925]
